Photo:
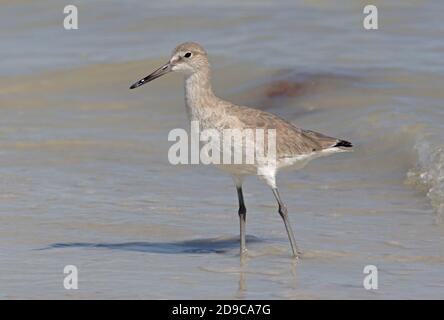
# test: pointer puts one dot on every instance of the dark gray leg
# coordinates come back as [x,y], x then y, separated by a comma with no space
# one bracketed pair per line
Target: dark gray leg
[284,214]
[242,219]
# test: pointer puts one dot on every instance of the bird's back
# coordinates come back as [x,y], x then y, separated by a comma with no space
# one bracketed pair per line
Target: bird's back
[291,141]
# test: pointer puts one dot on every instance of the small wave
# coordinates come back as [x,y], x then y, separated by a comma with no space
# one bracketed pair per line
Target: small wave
[281,86]
[412,258]
[428,174]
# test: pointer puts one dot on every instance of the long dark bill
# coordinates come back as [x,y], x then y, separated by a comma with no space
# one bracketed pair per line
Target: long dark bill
[156,74]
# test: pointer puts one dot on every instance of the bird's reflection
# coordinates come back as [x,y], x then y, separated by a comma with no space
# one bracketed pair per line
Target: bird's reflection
[243,264]
[291,271]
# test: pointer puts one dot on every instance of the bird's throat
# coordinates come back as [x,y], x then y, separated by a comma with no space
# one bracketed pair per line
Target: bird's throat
[198,92]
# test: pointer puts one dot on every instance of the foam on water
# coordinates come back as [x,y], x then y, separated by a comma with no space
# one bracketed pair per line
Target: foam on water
[428,174]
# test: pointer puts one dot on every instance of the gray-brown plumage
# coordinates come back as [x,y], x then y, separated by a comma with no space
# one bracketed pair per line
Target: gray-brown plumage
[290,140]
[294,146]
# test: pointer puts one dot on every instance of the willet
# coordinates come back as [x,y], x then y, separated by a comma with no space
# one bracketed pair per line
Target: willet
[295,147]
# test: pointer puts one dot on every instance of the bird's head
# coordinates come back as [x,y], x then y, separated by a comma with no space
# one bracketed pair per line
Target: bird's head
[187,58]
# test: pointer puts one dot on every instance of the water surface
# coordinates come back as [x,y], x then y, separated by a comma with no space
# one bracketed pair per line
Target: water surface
[85,178]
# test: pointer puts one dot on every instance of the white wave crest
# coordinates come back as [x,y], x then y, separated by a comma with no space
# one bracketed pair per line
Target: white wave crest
[428,174]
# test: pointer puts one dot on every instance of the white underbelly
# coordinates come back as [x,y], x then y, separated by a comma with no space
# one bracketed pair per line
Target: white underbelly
[300,161]
[291,163]
[238,169]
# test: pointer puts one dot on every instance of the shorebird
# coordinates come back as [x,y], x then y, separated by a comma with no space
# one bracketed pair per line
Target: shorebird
[295,147]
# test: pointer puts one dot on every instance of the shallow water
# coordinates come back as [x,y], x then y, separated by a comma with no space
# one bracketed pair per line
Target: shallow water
[85,178]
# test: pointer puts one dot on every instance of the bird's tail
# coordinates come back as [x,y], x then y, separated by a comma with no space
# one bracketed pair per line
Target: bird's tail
[343,144]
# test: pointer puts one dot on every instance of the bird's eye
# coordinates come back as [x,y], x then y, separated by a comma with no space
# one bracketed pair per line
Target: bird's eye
[187,55]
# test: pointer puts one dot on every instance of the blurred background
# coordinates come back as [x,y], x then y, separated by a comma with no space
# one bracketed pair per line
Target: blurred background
[85,178]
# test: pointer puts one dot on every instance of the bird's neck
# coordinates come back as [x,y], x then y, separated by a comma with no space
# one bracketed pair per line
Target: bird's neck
[198,93]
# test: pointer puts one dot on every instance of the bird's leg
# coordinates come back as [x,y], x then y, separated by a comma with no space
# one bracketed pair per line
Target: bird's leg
[242,219]
[284,214]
